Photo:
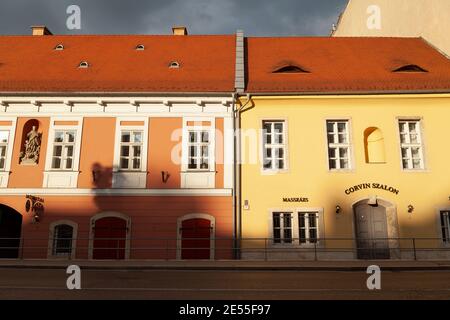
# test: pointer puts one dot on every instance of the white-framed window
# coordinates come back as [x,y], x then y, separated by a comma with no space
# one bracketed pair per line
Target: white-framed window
[63,149]
[63,152]
[62,240]
[308,227]
[445,226]
[131,145]
[130,152]
[199,147]
[274,145]
[198,158]
[4,140]
[7,133]
[411,144]
[296,226]
[339,146]
[282,227]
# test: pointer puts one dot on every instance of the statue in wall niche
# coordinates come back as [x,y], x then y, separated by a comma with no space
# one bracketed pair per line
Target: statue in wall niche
[32,148]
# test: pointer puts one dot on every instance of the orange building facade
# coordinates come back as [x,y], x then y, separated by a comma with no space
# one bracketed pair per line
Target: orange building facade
[117,147]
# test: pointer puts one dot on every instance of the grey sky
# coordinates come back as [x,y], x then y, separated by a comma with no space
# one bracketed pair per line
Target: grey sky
[255,17]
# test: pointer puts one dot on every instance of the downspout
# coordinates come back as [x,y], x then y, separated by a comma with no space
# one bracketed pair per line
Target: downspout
[239,85]
[238,176]
[235,220]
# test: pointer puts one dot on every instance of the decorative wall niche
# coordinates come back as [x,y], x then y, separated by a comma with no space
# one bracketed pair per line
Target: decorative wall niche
[30,143]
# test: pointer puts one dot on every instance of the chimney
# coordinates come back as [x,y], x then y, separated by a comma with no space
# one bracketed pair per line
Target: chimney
[179,31]
[40,31]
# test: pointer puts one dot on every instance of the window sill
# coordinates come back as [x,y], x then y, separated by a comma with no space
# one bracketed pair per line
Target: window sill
[415,170]
[273,172]
[341,170]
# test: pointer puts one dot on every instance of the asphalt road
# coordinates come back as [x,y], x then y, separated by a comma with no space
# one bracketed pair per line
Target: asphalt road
[225,285]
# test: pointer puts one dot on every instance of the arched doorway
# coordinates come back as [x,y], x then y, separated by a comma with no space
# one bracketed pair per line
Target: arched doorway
[196,237]
[375,229]
[110,237]
[10,232]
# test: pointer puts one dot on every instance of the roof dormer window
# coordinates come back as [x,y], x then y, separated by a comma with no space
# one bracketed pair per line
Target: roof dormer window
[174,65]
[59,47]
[410,68]
[290,69]
[140,47]
[83,65]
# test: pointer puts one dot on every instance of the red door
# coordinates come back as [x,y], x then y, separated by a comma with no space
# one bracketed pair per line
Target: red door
[195,239]
[109,238]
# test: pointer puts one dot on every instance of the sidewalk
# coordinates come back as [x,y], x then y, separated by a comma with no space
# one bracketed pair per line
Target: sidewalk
[353,265]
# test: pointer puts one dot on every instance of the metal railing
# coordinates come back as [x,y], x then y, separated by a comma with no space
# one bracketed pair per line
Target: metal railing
[264,249]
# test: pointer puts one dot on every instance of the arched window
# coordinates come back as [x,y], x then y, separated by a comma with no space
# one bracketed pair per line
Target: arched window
[374,146]
[59,47]
[140,47]
[62,239]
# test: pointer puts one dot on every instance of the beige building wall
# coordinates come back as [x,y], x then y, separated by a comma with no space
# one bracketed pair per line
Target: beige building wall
[399,18]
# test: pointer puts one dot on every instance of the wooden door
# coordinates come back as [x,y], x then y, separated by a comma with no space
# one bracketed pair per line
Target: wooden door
[371,232]
[196,239]
[110,238]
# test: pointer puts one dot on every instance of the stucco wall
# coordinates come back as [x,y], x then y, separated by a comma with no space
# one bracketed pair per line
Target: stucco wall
[400,18]
[308,175]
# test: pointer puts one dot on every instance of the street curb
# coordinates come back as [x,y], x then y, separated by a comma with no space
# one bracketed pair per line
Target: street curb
[427,266]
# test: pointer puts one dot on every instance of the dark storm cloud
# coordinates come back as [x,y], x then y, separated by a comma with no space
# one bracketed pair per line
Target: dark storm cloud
[255,17]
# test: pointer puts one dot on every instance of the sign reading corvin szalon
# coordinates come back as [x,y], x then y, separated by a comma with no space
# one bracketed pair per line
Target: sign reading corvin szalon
[363,186]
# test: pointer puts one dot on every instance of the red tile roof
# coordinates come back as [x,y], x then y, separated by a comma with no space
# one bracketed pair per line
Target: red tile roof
[30,64]
[344,65]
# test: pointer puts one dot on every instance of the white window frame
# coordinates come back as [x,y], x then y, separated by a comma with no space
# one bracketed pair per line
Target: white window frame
[273,145]
[194,178]
[130,178]
[131,146]
[283,228]
[198,144]
[51,237]
[337,146]
[64,144]
[4,173]
[295,227]
[409,146]
[63,178]
[307,227]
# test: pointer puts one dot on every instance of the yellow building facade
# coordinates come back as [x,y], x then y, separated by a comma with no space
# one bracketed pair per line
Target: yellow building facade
[345,176]
[344,149]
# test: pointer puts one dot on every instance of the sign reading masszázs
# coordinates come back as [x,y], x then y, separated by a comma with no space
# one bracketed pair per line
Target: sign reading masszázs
[363,186]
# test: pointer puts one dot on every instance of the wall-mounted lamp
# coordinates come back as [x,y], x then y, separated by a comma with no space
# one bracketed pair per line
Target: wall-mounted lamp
[338,209]
[410,209]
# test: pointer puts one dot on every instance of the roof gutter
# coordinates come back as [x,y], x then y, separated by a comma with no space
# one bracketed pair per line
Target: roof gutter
[112,94]
[347,93]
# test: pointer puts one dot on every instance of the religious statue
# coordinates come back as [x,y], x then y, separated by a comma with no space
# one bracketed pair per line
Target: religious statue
[32,148]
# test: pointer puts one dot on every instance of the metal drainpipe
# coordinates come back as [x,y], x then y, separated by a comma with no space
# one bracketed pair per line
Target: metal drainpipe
[237,175]
[235,240]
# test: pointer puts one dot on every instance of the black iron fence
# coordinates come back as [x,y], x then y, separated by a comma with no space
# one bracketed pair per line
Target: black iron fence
[264,249]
